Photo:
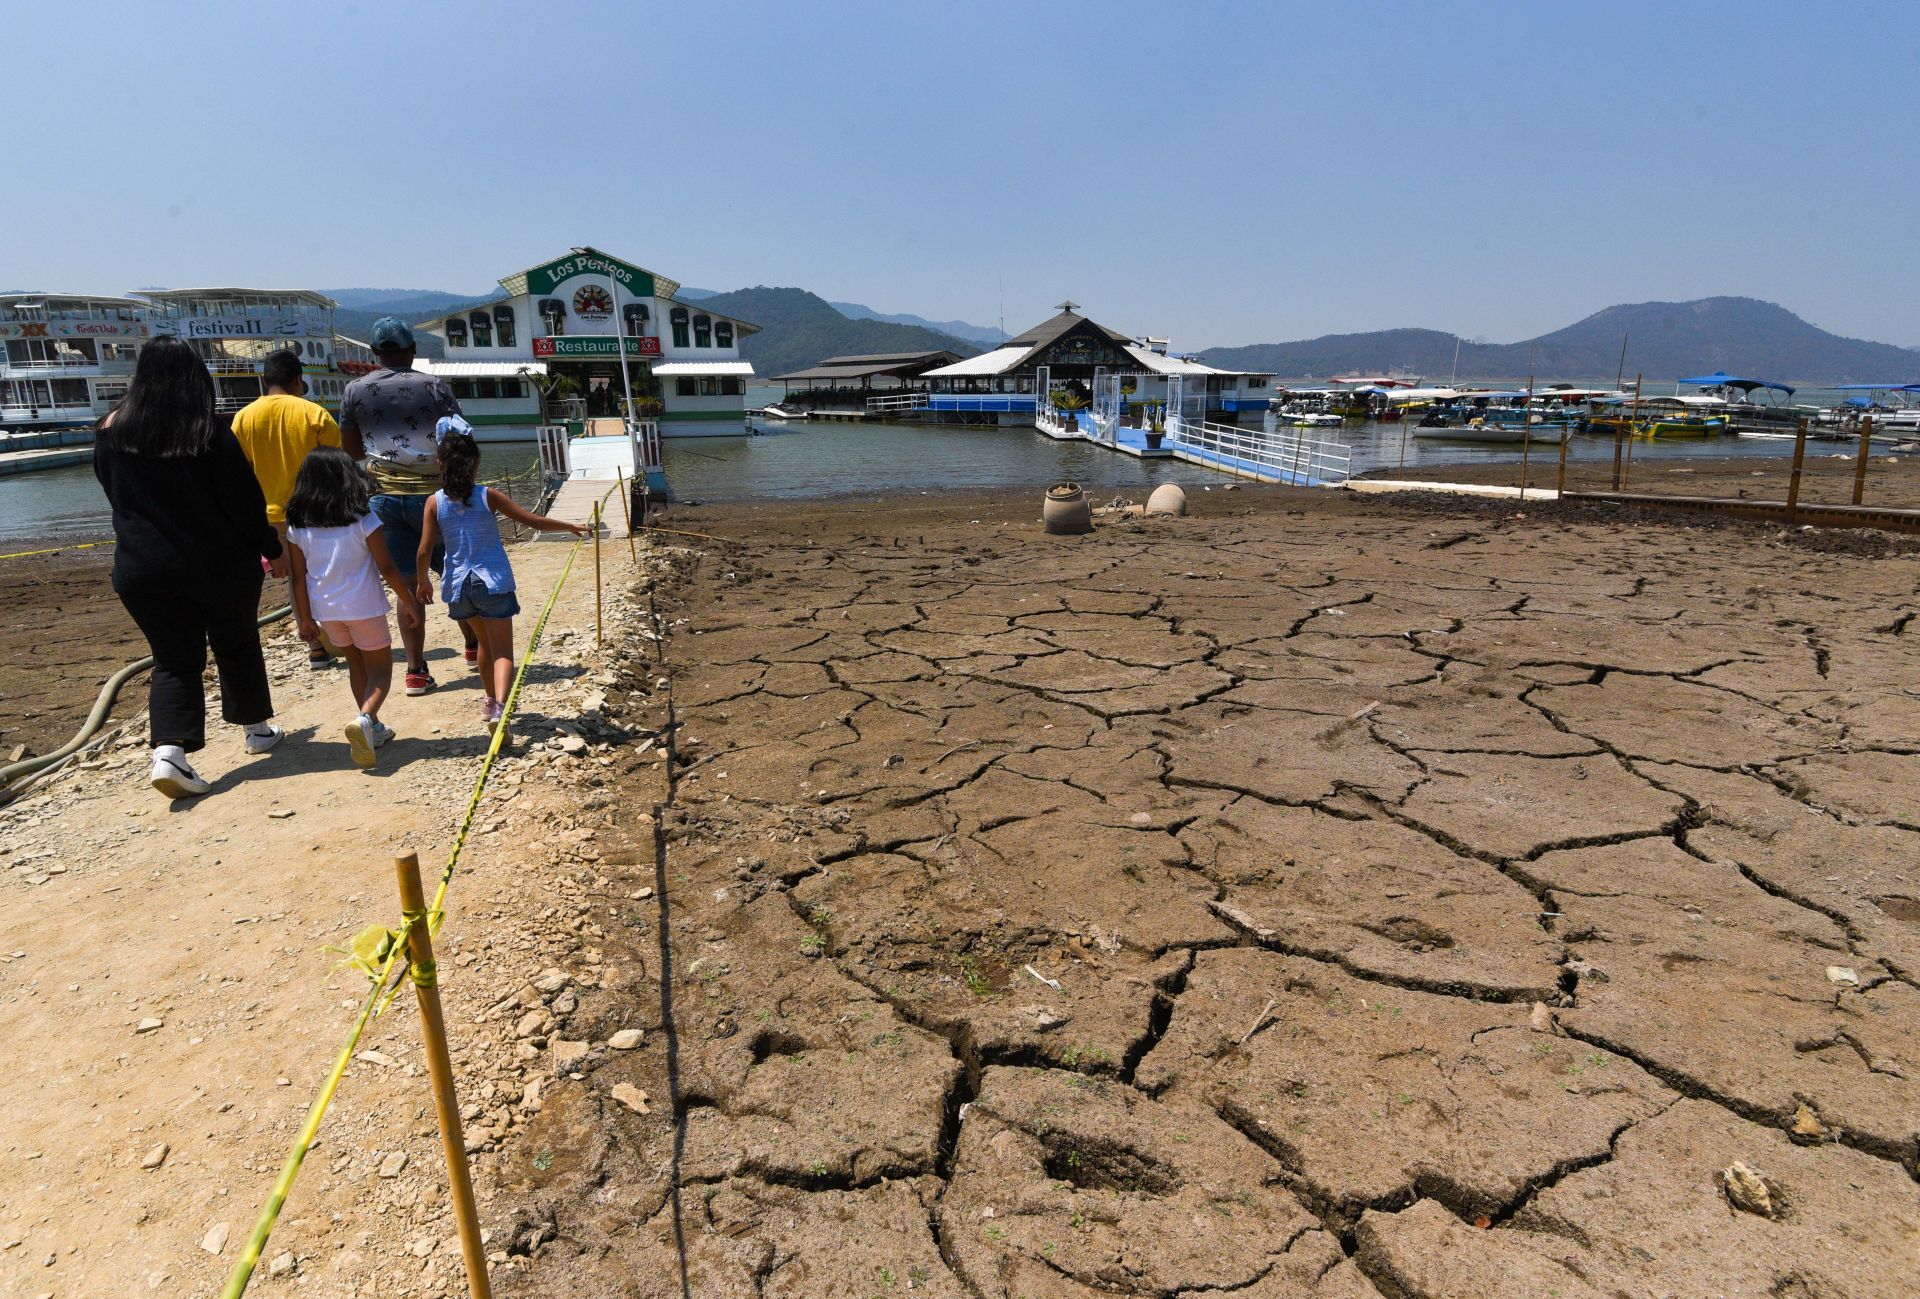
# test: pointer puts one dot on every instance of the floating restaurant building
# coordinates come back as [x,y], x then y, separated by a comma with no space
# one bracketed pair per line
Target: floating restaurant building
[1073,352]
[848,383]
[69,357]
[551,350]
[234,329]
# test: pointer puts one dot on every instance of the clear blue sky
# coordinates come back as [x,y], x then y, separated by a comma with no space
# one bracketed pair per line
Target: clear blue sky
[1224,173]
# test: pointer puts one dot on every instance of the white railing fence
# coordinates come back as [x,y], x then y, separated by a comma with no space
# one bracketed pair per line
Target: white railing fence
[896,403]
[1284,456]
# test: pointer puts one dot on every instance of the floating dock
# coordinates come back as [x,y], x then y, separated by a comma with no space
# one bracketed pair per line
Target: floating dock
[26,462]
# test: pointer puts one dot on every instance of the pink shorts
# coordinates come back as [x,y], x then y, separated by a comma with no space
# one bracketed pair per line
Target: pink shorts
[361,633]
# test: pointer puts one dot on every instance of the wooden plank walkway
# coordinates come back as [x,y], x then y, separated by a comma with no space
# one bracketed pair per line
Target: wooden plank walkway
[574,504]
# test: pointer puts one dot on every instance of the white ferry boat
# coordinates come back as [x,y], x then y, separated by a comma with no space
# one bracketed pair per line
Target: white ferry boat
[233,330]
[549,352]
[67,361]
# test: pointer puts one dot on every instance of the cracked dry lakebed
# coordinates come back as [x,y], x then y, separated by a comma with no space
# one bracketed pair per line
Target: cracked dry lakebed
[1309,897]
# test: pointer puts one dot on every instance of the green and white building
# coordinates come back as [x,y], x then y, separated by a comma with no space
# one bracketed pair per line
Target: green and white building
[550,351]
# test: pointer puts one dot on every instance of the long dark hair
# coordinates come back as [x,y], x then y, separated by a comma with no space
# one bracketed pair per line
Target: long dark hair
[168,409]
[459,462]
[328,492]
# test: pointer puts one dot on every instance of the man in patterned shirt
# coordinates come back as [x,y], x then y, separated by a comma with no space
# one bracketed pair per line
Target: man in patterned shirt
[387,419]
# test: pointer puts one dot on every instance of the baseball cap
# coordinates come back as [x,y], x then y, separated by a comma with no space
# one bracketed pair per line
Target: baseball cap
[390,333]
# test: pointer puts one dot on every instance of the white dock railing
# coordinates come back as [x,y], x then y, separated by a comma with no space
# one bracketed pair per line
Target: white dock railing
[1283,456]
[895,403]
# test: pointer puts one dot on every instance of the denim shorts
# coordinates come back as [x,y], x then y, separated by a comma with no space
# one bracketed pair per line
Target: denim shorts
[475,601]
[401,518]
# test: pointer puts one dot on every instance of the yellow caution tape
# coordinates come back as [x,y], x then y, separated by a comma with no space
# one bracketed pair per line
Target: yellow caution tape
[377,951]
[54,550]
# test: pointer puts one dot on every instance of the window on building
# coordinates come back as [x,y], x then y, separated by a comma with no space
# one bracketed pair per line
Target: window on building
[678,320]
[684,387]
[634,316]
[553,313]
[730,387]
[456,333]
[503,325]
[703,331]
[1256,381]
[723,333]
[512,388]
[482,329]
[462,388]
[709,387]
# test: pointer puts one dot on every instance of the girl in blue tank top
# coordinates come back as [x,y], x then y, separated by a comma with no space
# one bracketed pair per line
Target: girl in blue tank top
[477,578]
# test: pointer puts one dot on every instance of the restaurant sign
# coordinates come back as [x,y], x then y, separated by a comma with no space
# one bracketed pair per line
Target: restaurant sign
[595,345]
[73,329]
[546,279]
[236,326]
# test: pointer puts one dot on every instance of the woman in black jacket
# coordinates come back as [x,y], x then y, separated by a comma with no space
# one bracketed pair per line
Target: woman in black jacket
[192,530]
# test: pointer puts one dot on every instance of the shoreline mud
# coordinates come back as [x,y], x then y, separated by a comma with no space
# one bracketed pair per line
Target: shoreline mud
[1319,895]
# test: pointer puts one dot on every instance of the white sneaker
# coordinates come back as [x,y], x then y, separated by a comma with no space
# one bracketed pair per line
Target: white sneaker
[260,743]
[381,734]
[363,737]
[176,779]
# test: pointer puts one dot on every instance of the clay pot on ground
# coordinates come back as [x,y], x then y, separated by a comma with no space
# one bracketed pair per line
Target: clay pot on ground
[1168,498]
[1066,511]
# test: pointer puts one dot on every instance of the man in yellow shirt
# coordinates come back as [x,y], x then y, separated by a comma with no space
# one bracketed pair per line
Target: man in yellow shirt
[276,432]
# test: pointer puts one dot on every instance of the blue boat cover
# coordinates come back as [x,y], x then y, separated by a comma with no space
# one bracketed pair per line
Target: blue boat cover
[1721,379]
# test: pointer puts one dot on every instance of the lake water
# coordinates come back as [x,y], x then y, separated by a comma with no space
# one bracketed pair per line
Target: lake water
[829,459]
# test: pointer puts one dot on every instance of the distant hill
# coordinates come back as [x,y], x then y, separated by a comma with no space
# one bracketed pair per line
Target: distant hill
[1665,341]
[799,329]
[400,301]
[984,335]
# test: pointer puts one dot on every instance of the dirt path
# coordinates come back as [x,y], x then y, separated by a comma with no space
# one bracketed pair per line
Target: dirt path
[212,917]
[1312,897]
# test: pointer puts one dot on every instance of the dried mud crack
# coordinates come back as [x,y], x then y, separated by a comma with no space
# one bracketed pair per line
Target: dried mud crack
[1293,900]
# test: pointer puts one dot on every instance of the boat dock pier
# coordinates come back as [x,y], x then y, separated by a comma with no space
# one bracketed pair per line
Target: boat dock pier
[25,462]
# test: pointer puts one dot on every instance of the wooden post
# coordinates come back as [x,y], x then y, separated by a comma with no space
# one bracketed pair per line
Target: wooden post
[1860,466]
[599,635]
[1403,444]
[1560,481]
[1633,428]
[1619,436]
[626,512]
[1526,434]
[1793,482]
[433,1033]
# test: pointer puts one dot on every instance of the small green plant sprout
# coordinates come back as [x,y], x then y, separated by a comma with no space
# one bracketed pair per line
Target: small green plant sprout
[996,1232]
[976,982]
[543,1161]
[813,942]
[887,1278]
[821,915]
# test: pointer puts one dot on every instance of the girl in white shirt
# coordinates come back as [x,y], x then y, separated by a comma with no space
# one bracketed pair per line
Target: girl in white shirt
[340,557]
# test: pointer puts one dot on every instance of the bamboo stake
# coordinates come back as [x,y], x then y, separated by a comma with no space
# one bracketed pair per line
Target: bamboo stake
[1793,483]
[433,1032]
[599,635]
[626,512]
[1860,466]
[1560,482]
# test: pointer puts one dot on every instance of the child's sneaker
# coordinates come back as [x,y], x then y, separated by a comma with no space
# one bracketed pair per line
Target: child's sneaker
[362,737]
[175,778]
[381,733]
[473,657]
[419,681]
[489,712]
